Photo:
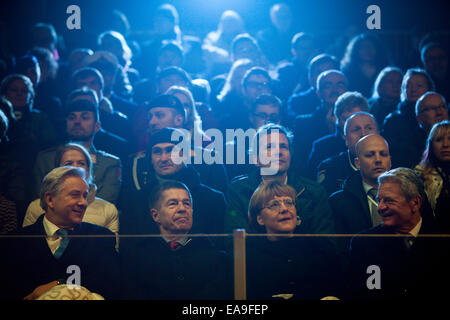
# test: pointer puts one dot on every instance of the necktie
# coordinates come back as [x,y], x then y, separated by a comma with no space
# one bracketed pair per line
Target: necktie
[376,218]
[174,245]
[64,242]
[409,239]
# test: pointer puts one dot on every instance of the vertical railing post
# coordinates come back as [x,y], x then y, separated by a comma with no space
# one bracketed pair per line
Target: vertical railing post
[240,277]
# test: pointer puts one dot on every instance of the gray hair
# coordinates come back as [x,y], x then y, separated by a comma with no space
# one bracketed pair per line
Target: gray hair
[357,114]
[54,180]
[409,181]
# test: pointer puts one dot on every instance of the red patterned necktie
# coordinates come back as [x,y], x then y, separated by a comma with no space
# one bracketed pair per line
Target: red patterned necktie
[174,245]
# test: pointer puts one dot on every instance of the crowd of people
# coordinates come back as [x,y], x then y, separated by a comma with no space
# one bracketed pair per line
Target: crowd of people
[91,176]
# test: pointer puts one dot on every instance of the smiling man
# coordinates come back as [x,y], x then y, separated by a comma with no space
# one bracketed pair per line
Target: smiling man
[37,264]
[411,266]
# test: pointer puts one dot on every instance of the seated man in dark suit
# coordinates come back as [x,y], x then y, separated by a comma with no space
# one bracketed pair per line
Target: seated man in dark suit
[407,265]
[45,255]
[355,207]
[175,265]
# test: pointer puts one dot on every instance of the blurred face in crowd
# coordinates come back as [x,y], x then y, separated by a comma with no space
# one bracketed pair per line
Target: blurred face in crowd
[75,158]
[321,67]
[174,212]
[397,211]
[416,87]
[171,80]
[18,93]
[246,49]
[331,87]
[275,149]
[373,158]
[279,215]
[169,58]
[186,102]
[367,51]
[391,85]
[34,73]
[92,83]
[441,147]
[436,62]
[256,85]
[81,125]
[344,116]
[432,110]
[162,159]
[162,117]
[304,50]
[265,113]
[67,207]
[281,17]
[359,126]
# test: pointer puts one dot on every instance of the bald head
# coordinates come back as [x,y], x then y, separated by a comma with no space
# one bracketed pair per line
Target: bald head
[431,108]
[373,158]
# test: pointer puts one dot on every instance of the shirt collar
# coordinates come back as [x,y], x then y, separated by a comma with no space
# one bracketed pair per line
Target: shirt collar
[49,227]
[183,241]
[415,231]
[367,187]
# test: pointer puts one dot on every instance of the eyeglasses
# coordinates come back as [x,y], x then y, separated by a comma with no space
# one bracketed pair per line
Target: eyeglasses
[426,109]
[275,205]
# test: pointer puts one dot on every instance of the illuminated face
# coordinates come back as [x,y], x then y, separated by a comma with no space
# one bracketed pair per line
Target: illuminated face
[373,158]
[416,86]
[432,110]
[68,206]
[331,87]
[162,117]
[276,151]
[391,85]
[441,147]
[75,158]
[256,85]
[162,159]
[265,113]
[397,212]
[278,215]
[174,215]
[359,126]
[81,125]
[18,93]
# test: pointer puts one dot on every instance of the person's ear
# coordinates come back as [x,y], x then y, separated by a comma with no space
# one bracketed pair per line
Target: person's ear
[97,126]
[155,215]
[357,164]
[415,203]
[178,120]
[260,220]
[49,200]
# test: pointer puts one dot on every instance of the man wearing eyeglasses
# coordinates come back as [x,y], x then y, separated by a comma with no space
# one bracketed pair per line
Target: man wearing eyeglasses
[431,108]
